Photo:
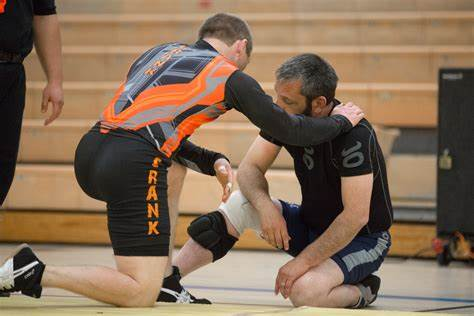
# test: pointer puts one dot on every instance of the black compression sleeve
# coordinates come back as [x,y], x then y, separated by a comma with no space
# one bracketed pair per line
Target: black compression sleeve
[270,139]
[44,7]
[245,95]
[197,158]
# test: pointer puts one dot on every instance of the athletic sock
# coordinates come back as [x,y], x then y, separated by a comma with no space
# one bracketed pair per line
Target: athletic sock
[369,288]
[173,292]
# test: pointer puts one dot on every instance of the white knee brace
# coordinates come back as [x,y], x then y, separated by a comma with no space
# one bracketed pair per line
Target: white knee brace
[241,213]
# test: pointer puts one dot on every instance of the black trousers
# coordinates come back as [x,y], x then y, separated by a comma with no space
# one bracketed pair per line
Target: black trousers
[125,171]
[12,104]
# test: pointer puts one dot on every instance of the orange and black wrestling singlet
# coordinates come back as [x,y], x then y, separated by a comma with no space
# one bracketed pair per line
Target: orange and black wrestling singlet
[169,92]
[2,5]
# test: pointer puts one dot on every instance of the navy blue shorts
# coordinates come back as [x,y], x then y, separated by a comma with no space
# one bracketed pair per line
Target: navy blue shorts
[361,257]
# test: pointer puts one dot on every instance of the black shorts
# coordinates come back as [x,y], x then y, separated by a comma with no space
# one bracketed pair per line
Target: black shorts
[361,257]
[126,172]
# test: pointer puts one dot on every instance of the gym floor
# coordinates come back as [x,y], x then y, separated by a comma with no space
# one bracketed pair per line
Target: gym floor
[242,283]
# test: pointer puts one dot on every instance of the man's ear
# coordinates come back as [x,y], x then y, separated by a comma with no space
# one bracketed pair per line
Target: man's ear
[241,46]
[318,105]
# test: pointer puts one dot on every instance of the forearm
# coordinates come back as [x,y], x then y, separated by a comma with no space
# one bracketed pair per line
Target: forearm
[246,96]
[291,129]
[254,186]
[197,158]
[47,41]
[338,235]
[296,130]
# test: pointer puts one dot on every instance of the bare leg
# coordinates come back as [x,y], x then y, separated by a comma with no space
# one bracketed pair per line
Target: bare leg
[193,256]
[135,283]
[322,287]
[176,175]
[344,295]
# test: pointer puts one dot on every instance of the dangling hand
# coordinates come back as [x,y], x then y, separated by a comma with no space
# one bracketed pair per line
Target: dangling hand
[225,176]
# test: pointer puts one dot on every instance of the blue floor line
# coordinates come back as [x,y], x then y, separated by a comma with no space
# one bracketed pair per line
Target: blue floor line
[386,296]
[427,298]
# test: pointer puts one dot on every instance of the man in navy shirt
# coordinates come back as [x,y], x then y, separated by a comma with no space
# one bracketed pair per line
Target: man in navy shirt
[339,235]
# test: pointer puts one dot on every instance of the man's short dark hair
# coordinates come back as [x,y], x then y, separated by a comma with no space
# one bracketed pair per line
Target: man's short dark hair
[228,28]
[317,76]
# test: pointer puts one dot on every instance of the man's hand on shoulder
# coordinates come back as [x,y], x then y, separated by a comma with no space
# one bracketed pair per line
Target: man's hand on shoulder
[350,111]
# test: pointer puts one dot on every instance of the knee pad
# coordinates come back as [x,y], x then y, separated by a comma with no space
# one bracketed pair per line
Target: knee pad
[210,231]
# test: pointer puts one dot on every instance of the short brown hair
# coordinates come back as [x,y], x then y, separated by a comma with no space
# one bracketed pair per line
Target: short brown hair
[318,77]
[228,28]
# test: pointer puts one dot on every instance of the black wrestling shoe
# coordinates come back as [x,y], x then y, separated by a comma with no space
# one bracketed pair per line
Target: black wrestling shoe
[173,292]
[22,272]
[369,289]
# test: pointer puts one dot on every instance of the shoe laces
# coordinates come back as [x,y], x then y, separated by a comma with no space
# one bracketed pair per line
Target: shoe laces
[183,298]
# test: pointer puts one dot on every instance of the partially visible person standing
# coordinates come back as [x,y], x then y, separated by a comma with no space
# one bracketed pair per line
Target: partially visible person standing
[22,23]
